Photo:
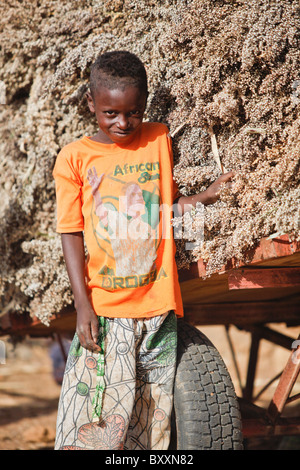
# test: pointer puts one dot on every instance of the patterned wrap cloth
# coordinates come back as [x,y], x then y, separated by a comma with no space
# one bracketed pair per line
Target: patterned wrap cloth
[122,397]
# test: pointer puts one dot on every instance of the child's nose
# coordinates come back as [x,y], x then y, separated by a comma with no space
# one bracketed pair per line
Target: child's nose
[123,122]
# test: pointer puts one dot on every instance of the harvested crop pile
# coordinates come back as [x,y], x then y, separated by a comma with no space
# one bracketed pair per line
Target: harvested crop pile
[225,73]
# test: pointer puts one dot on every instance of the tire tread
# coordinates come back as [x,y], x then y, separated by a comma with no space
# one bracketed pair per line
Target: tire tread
[206,408]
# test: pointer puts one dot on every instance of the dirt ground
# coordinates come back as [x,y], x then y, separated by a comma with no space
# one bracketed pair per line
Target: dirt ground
[29,392]
[28,396]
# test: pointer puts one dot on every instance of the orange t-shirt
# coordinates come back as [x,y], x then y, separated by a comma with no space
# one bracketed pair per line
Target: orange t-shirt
[122,197]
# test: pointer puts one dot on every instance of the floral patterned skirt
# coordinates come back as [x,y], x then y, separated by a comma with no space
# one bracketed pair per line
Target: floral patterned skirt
[121,398]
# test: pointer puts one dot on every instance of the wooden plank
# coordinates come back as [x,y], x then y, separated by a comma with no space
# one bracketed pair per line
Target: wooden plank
[215,289]
[269,248]
[252,427]
[23,325]
[272,251]
[284,387]
[250,278]
[271,335]
[244,313]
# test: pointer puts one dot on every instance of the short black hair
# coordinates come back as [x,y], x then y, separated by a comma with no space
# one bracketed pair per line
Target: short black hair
[117,69]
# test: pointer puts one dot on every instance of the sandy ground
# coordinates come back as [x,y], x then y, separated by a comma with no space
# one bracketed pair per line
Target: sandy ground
[29,392]
[28,397]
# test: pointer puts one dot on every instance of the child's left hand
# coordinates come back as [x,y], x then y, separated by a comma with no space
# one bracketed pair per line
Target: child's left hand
[209,196]
[212,193]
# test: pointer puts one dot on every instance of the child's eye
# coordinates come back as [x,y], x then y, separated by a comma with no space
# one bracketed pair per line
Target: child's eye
[110,113]
[136,112]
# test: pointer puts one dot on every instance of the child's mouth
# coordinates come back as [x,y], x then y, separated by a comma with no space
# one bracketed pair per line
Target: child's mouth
[123,135]
[128,132]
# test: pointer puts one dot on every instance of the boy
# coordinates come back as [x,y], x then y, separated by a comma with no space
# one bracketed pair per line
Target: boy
[117,388]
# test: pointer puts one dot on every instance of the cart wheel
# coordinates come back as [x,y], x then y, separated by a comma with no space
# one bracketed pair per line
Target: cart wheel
[206,412]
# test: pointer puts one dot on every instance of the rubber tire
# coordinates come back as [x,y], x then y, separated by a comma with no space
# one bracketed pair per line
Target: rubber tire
[206,413]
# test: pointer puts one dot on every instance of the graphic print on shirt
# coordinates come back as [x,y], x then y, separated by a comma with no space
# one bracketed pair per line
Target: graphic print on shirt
[126,224]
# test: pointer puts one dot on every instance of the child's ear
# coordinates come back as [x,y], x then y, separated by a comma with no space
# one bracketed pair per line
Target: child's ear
[90,101]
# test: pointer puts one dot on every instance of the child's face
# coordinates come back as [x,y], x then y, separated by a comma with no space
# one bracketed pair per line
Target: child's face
[119,113]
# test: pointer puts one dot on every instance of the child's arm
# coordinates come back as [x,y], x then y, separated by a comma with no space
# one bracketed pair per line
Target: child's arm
[209,196]
[87,322]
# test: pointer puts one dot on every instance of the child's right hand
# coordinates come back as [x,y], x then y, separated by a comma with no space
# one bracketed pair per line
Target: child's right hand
[87,328]
[87,320]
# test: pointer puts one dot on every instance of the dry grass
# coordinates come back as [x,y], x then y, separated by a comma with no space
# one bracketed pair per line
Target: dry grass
[230,68]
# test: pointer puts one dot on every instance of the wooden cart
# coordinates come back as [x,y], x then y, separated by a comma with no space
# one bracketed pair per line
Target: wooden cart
[264,291]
